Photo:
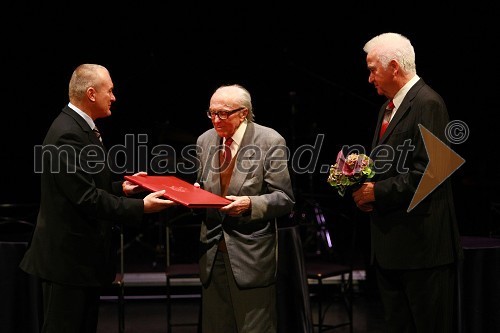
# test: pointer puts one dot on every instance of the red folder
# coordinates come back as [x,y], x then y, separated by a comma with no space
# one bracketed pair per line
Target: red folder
[180,191]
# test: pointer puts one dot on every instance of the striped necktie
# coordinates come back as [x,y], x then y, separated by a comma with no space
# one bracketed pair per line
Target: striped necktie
[97,133]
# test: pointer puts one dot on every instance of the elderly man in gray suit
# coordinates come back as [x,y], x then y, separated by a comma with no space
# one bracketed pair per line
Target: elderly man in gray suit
[247,163]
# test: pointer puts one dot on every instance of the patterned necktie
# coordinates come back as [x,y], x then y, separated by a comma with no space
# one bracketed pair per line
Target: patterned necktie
[226,156]
[97,133]
[387,118]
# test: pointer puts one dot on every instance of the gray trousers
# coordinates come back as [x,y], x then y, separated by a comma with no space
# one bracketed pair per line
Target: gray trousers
[230,309]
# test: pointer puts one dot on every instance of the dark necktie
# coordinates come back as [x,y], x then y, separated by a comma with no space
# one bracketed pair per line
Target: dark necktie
[387,118]
[97,133]
[226,155]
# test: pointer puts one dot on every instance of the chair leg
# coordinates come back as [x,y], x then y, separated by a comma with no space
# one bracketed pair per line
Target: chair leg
[169,307]
[200,310]
[320,308]
[350,292]
[121,309]
[347,294]
[350,295]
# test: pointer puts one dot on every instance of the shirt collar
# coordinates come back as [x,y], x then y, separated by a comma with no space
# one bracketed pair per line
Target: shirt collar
[83,115]
[238,135]
[400,95]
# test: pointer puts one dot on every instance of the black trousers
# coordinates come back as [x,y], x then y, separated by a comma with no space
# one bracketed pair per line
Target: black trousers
[69,309]
[418,300]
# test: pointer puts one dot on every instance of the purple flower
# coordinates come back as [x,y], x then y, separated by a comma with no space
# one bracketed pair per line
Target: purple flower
[346,173]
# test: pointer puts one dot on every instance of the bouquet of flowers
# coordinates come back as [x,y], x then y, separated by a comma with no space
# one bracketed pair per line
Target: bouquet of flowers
[349,172]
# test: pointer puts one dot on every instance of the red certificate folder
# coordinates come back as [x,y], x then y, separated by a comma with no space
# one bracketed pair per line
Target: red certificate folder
[180,191]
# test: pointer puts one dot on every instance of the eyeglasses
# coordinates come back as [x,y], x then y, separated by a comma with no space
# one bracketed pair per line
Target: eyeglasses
[222,114]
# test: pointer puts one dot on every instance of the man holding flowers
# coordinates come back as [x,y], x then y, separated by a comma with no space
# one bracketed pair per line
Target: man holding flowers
[413,251]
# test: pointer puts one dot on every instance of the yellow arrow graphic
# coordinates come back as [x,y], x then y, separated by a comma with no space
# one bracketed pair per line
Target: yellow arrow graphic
[443,162]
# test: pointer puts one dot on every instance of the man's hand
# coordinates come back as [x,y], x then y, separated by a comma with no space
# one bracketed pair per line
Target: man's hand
[130,188]
[153,203]
[239,205]
[364,197]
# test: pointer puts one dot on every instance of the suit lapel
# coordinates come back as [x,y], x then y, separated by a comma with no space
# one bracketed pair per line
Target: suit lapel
[401,111]
[84,126]
[105,173]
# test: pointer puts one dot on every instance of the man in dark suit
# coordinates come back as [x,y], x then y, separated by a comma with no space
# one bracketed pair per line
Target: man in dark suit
[239,241]
[71,248]
[413,251]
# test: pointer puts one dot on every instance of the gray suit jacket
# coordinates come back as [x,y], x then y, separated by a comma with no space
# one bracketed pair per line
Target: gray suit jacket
[261,173]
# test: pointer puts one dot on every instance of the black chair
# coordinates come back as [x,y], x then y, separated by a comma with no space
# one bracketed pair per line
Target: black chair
[115,291]
[332,272]
[292,290]
[119,281]
[20,300]
[181,266]
[14,229]
[21,211]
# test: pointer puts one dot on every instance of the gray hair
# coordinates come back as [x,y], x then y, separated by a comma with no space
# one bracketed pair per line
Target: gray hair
[393,46]
[83,77]
[243,98]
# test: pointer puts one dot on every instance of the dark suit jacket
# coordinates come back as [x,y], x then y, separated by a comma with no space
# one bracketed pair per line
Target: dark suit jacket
[72,241]
[426,236]
[260,172]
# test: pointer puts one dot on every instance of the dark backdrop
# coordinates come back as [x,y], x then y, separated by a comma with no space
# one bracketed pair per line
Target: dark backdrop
[303,64]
